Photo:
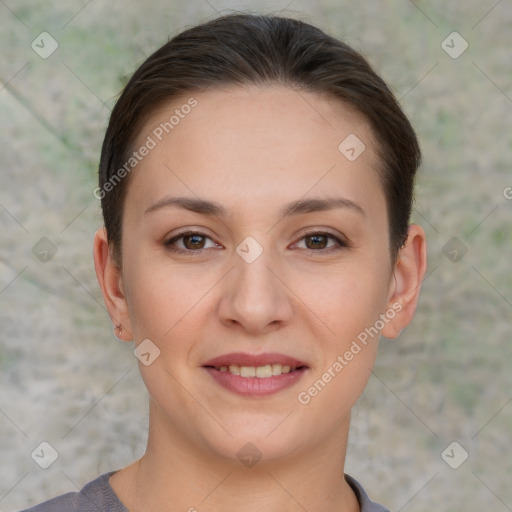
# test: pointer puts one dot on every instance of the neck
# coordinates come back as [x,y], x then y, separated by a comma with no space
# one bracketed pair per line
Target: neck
[173,475]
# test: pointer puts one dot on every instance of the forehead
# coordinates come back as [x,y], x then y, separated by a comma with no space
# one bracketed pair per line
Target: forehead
[266,142]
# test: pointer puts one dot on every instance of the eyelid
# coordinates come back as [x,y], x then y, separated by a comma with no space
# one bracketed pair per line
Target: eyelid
[341,241]
[187,232]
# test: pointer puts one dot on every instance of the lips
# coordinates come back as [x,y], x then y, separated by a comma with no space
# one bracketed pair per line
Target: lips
[255,374]
[243,359]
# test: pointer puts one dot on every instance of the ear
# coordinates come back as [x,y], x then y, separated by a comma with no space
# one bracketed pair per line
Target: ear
[111,283]
[408,274]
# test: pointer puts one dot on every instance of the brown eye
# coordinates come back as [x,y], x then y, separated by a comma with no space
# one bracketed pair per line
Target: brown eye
[321,242]
[194,241]
[316,241]
[189,242]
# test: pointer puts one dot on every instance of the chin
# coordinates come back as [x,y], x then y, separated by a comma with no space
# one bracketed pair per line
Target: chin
[256,443]
[250,451]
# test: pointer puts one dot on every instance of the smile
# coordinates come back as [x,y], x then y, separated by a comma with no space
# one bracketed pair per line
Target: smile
[262,372]
[255,375]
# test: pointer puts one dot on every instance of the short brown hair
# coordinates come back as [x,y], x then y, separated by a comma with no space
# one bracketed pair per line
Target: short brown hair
[250,49]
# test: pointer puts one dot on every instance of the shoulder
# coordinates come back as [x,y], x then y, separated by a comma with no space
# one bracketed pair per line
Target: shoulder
[95,496]
[364,501]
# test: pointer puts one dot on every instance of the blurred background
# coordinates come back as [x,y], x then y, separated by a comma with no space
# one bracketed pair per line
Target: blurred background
[433,428]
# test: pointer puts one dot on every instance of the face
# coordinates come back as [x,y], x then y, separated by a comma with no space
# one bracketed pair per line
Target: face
[287,267]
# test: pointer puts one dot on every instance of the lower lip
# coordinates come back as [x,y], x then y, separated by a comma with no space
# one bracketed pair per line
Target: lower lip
[254,386]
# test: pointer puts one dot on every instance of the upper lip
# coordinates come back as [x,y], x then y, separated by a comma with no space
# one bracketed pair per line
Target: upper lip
[244,359]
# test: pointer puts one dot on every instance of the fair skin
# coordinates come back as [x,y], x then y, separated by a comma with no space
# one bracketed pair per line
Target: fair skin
[253,150]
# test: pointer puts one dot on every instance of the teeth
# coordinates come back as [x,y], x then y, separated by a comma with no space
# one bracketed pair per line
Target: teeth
[277,369]
[262,372]
[235,370]
[247,371]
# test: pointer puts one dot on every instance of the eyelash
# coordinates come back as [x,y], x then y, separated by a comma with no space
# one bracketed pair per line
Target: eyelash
[169,243]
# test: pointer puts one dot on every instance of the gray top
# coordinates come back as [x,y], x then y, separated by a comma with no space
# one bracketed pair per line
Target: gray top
[98,496]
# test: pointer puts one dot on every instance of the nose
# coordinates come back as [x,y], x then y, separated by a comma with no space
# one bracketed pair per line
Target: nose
[255,299]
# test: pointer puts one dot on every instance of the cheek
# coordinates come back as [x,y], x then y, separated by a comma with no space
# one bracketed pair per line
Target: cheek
[348,305]
[347,299]
[155,296]
[162,304]
[167,302]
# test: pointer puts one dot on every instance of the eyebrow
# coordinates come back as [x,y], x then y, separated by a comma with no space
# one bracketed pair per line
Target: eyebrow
[205,207]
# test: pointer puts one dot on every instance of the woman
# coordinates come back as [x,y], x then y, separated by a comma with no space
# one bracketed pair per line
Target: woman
[256,183]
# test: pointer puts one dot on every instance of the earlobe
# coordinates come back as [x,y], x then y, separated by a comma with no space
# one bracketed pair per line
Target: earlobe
[408,275]
[111,283]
